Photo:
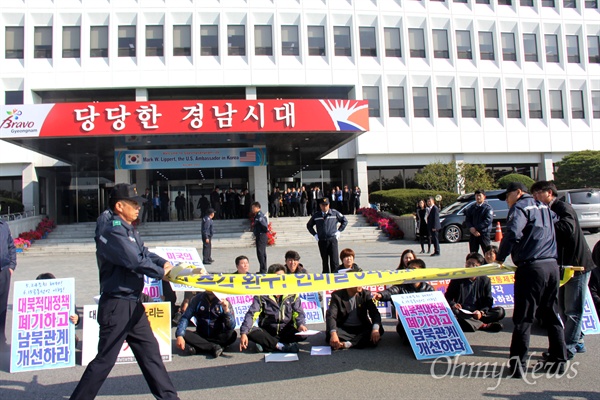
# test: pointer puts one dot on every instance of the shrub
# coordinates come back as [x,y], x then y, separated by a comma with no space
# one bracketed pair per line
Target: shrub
[404,201]
[14,205]
[578,170]
[505,180]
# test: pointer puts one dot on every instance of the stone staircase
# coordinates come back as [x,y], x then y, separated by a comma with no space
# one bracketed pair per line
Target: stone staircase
[79,238]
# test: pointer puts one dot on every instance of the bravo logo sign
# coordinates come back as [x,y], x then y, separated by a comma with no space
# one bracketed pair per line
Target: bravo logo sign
[16,123]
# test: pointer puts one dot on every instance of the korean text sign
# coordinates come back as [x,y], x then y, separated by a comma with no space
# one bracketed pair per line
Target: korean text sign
[176,255]
[430,325]
[42,335]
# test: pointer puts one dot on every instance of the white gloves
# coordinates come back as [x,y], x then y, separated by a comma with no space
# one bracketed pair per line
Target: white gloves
[316,237]
[337,235]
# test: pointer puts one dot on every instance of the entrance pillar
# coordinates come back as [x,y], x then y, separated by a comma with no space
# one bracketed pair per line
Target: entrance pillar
[362,179]
[259,186]
[30,188]
[546,168]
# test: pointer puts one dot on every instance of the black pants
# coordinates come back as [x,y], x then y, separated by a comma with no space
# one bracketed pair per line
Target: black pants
[4,289]
[156,216]
[425,238]
[206,345]
[435,240]
[359,336]
[206,249]
[536,285]
[269,340]
[469,324]
[329,254]
[180,214]
[261,252]
[121,320]
[475,242]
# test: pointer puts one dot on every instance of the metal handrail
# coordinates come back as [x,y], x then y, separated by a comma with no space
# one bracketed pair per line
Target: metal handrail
[16,216]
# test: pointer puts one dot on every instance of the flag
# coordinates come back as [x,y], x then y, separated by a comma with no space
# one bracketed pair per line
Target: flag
[133,159]
[248,156]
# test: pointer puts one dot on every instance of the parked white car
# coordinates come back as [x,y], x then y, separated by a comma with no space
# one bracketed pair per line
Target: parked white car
[586,203]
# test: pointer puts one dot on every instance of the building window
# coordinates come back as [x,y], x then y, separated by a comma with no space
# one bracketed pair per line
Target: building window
[463,45]
[573,49]
[595,104]
[182,40]
[368,41]
[341,41]
[154,41]
[209,40]
[42,42]
[236,40]
[126,41]
[263,40]
[577,110]
[482,1]
[13,97]
[468,108]
[440,44]
[591,3]
[551,48]
[548,3]
[513,103]
[98,41]
[421,102]
[535,104]
[530,47]
[526,3]
[509,52]
[461,1]
[371,93]
[504,2]
[594,49]
[316,41]
[71,42]
[486,46]
[392,42]
[556,104]
[416,40]
[396,102]
[445,105]
[289,40]
[14,42]
[490,103]
[569,3]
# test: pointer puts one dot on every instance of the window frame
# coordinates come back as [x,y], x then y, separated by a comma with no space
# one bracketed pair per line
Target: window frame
[320,48]
[75,31]
[483,54]
[127,45]
[416,51]
[551,57]
[373,102]
[511,111]
[396,106]
[290,47]
[389,50]
[99,32]
[443,53]
[267,48]
[209,40]
[155,46]
[342,41]
[506,55]
[445,112]
[491,110]
[463,54]
[573,58]
[42,49]
[595,104]
[14,50]
[236,34]
[532,39]
[577,113]
[468,110]
[182,36]
[535,112]
[593,58]
[369,34]
[417,111]
[556,113]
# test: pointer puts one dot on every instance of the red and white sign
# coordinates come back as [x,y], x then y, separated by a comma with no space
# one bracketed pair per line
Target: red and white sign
[181,117]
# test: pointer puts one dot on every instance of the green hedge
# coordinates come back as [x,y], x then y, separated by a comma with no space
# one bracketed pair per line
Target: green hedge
[524,179]
[15,206]
[404,201]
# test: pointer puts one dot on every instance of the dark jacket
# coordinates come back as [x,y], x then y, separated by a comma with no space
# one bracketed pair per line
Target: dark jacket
[354,268]
[480,217]
[123,259]
[433,219]
[207,227]
[571,245]
[260,224]
[274,315]
[339,308]
[326,225]
[594,283]
[458,290]
[211,321]
[405,288]
[8,251]
[299,270]
[529,234]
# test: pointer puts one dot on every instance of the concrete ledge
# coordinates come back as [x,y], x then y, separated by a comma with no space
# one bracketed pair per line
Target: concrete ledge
[19,226]
[406,223]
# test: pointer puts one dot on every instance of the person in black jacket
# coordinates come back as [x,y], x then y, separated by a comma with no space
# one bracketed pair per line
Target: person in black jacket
[260,230]
[471,300]
[422,230]
[478,219]
[327,234]
[594,283]
[572,250]
[433,225]
[292,263]
[207,234]
[352,320]
[348,264]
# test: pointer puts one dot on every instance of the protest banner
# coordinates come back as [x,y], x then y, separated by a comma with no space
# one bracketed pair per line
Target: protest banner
[176,255]
[42,336]
[503,290]
[430,325]
[153,288]
[590,324]
[159,315]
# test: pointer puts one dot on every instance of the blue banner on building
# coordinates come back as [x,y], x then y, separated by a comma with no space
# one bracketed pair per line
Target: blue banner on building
[191,158]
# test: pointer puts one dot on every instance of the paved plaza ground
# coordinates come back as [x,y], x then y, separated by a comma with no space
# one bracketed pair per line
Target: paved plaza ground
[388,372]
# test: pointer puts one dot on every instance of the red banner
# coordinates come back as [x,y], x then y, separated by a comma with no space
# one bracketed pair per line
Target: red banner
[182,116]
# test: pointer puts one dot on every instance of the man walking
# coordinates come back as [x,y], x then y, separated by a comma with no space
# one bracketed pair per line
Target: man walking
[530,241]
[327,234]
[180,206]
[433,225]
[8,263]
[478,218]
[207,234]
[260,229]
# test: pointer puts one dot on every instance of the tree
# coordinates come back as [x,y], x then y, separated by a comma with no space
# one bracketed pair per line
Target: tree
[506,179]
[438,176]
[475,177]
[578,170]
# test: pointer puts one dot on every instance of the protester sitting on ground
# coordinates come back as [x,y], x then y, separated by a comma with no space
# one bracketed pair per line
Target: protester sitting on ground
[292,262]
[215,325]
[407,255]
[242,264]
[353,320]
[347,258]
[472,302]
[405,288]
[490,254]
[74,318]
[280,317]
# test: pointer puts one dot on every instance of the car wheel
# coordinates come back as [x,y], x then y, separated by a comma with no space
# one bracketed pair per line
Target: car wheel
[452,233]
[593,230]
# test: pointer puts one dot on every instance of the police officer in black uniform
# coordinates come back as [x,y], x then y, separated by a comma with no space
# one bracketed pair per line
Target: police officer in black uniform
[207,234]
[261,227]
[327,234]
[478,218]
[530,241]
[123,261]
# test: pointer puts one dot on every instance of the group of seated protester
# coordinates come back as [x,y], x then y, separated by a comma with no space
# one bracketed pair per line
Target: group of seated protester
[352,318]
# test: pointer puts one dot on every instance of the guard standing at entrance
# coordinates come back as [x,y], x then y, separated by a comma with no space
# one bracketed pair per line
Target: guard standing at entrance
[327,234]
[207,234]
[260,229]
[123,261]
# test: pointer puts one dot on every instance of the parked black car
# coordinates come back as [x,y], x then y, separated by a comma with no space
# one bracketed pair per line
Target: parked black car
[452,217]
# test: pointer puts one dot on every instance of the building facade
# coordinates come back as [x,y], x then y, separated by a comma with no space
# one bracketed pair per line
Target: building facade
[512,84]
